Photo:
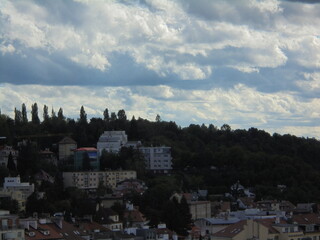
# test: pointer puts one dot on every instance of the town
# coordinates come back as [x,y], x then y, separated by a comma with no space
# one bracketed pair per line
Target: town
[134,180]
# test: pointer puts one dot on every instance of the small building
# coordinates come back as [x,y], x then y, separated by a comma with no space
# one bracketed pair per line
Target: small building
[10,227]
[66,148]
[86,154]
[14,184]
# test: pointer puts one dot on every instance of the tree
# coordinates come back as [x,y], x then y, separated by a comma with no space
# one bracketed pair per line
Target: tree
[24,113]
[17,116]
[45,113]
[34,114]
[11,165]
[113,116]
[83,115]
[53,114]
[158,118]
[60,114]
[122,115]
[106,115]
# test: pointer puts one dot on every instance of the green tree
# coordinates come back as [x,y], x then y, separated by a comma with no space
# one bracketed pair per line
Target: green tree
[106,115]
[17,116]
[24,113]
[11,165]
[158,118]
[45,113]
[60,115]
[34,114]
[83,115]
[122,115]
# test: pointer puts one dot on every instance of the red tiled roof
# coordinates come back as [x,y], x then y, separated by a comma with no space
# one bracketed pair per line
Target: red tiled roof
[231,230]
[305,219]
[86,149]
[39,232]
[269,222]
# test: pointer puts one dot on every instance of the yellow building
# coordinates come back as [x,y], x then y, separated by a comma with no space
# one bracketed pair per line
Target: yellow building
[91,179]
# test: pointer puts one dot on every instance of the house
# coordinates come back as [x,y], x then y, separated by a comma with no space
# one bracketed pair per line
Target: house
[128,186]
[209,226]
[10,227]
[262,229]
[309,224]
[17,190]
[48,156]
[133,217]
[108,218]
[66,149]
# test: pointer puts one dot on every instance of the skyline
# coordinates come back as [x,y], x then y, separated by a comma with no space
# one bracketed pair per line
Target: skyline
[243,63]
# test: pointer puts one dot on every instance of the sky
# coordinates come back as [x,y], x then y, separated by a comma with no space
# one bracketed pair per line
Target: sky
[246,63]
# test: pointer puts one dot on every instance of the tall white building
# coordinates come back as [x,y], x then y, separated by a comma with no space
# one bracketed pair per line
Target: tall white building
[157,159]
[112,141]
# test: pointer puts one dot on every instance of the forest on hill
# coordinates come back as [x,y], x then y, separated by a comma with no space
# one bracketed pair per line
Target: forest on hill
[204,157]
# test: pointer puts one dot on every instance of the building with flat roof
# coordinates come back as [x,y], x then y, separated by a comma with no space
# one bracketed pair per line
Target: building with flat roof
[86,154]
[157,159]
[111,141]
[90,180]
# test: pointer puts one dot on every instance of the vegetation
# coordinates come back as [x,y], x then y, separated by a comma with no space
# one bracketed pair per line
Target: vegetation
[204,157]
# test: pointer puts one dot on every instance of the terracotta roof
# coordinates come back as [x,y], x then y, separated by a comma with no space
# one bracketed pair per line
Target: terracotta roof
[134,215]
[269,223]
[231,230]
[44,231]
[86,149]
[92,226]
[305,219]
[67,140]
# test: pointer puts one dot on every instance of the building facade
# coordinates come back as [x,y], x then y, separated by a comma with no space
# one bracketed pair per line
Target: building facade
[157,159]
[112,141]
[66,148]
[10,227]
[86,154]
[91,180]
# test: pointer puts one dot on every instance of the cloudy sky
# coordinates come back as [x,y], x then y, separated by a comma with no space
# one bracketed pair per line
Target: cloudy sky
[247,63]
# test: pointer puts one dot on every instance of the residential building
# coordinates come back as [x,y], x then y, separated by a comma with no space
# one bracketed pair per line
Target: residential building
[157,159]
[12,184]
[84,154]
[90,180]
[133,217]
[48,156]
[262,229]
[4,155]
[10,227]
[213,225]
[130,185]
[111,141]
[108,218]
[15,195]
[66,148]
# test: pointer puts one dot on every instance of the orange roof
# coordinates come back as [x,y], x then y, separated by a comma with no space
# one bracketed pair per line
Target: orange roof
[305,219]
[86,149]
[231,230]
[44,231]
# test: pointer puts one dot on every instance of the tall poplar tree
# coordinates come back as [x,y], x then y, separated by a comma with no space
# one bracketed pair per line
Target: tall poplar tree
[24,113]
[45,113]
[34,114]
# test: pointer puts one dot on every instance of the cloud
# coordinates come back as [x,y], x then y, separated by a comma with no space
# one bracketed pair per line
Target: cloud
[242,63]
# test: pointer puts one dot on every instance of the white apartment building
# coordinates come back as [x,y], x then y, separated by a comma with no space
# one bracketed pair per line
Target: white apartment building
[112,141]
[90,180]
[14,184]
[158,159]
